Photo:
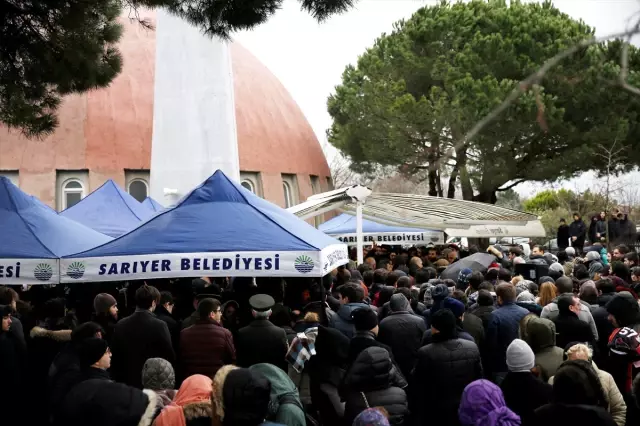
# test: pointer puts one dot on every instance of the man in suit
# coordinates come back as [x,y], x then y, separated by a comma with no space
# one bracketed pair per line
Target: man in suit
[139,337]
[261,341]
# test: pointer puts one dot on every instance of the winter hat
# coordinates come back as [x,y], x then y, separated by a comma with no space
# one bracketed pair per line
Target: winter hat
[91,350]
[439,292]
[594,268]
[398,303]
[371,417]
[158,374]
[245,396]
[482,404]
[546,279]
[525,296]
[571,252]
[454,305]
[556,267]
[592,255]
[522,286]
[445,322]
[364,319]
[427,299]
[103,302]
[463,278]
[624,309]
[520,357]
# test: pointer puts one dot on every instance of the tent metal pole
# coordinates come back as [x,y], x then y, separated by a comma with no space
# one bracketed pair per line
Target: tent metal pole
[359,231]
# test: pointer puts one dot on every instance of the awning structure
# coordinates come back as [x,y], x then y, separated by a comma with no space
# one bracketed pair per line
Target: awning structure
[455,217]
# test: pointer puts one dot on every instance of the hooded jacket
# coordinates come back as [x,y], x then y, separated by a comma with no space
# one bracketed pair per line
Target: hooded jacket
[342,320]
[541,336]
[369,383]
[402,332]
[285,407]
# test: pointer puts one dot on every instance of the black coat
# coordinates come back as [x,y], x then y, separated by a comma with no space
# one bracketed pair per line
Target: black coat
[402,332]
[12,376]
[261,341]
[64,374]
[563,415]
[605,328]
[108,324]
[137,338]
[475,327]
[98,401]
[569,328]
[578,229]
[524,393]
[563,237]
[361,341]
[484,313]
[371,383]
[173,326]
[443,369]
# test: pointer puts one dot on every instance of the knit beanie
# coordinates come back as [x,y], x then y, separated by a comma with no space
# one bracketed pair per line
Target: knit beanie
[546,279]
[91,350]
[624,309]
[556,267]
[445,322]
[482,404]
[571,252]
[371,417]
[158,374]
[454,305]
[364,319]
[463,278]
[522,286]
[439,292]
[525,297]
[520,357]
[592,255]
[103,302]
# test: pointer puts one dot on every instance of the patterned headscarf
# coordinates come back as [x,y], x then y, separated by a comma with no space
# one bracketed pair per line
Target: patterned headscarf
[371,417]
[483,404]
[463,278]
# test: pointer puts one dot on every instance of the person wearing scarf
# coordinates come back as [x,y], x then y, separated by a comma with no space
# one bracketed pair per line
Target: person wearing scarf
[191,406]
[483,404]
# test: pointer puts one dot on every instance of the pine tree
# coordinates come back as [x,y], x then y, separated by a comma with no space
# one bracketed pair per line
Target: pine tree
[52,48]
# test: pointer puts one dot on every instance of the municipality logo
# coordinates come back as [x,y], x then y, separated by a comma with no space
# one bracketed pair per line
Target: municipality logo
[76,270]
[303,264]
[43,272]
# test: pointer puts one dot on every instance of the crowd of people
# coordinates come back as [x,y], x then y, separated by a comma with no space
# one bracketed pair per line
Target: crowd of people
[386,342]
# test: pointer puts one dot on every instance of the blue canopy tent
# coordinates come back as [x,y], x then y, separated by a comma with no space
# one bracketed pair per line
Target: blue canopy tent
[219,229]
[152,204]
[109,210]
[343,228]
[34,237]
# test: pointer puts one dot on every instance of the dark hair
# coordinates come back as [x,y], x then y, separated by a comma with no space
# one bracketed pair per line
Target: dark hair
[353,292]
[146,295]
[475,279]
[206,306]
[491,275]
[383,263]
[516,251]
[562,256]
[422,276]
[622,248]
[54,308]
[380,276]
[392,278]
[86,330]
[459,295]
[606,286]
[506,292]
[564,285]
[589,294]
[8,295]
[621,270]
[485,298]
[538,246]
[635,271]
[576,214]
[486,285]
[404,282]
[364,267]
[504,274]
[576,383]
[580,271]
[166,297]
[632,256]
[406,292]
[564,302]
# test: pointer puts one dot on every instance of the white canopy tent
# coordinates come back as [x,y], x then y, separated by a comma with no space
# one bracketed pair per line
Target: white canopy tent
[455,217]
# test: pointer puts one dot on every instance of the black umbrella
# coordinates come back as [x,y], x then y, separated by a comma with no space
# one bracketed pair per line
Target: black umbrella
[476,262]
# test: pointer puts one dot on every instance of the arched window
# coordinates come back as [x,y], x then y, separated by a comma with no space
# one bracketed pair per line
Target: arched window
[288,201]
[138,189]
[72,193]
[248,185]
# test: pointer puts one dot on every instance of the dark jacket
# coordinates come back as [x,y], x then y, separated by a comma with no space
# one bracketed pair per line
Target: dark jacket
[137,338]
[98,401]
[563,237]
[524,393]
[342,319]
[578,229]
[475,327]
[605,328]
[13,375]
[503,328]
[204,348]
[64,374]
[261,341]
[484,313]
[569,328]
[427,338]
[108,324]
[173,326]
[402,332]
[563,415]
[361,341]
[443,369]
[370,383]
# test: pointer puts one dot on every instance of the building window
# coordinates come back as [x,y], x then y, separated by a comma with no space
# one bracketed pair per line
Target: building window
[289,190]
[330,184]
[315,184]
[71,187]
[138,189]
[137,183]
[252,182]
[12,175]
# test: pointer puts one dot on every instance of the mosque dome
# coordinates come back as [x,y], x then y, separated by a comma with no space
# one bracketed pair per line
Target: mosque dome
[106,134]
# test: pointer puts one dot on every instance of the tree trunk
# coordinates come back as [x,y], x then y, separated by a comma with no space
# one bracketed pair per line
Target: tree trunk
[439,182]
[465,180]
[451,191]
[433,183]
[486,197]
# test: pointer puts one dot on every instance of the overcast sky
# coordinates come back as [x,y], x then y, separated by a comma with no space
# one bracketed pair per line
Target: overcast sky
[309,58]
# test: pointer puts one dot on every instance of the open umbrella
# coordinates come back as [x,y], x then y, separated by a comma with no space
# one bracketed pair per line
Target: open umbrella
[476,262]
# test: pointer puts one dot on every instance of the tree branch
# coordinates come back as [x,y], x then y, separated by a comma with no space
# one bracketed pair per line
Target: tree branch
[512,185]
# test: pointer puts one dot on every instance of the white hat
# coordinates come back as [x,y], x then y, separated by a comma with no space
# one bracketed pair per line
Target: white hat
[520,357]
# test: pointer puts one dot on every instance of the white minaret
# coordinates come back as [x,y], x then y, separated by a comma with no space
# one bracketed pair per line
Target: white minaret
[194,121]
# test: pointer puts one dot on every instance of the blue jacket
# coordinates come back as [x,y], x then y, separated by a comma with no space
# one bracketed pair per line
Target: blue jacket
[342,319]
[502,328]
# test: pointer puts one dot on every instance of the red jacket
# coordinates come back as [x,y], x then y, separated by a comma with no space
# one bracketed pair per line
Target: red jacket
[204,348]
